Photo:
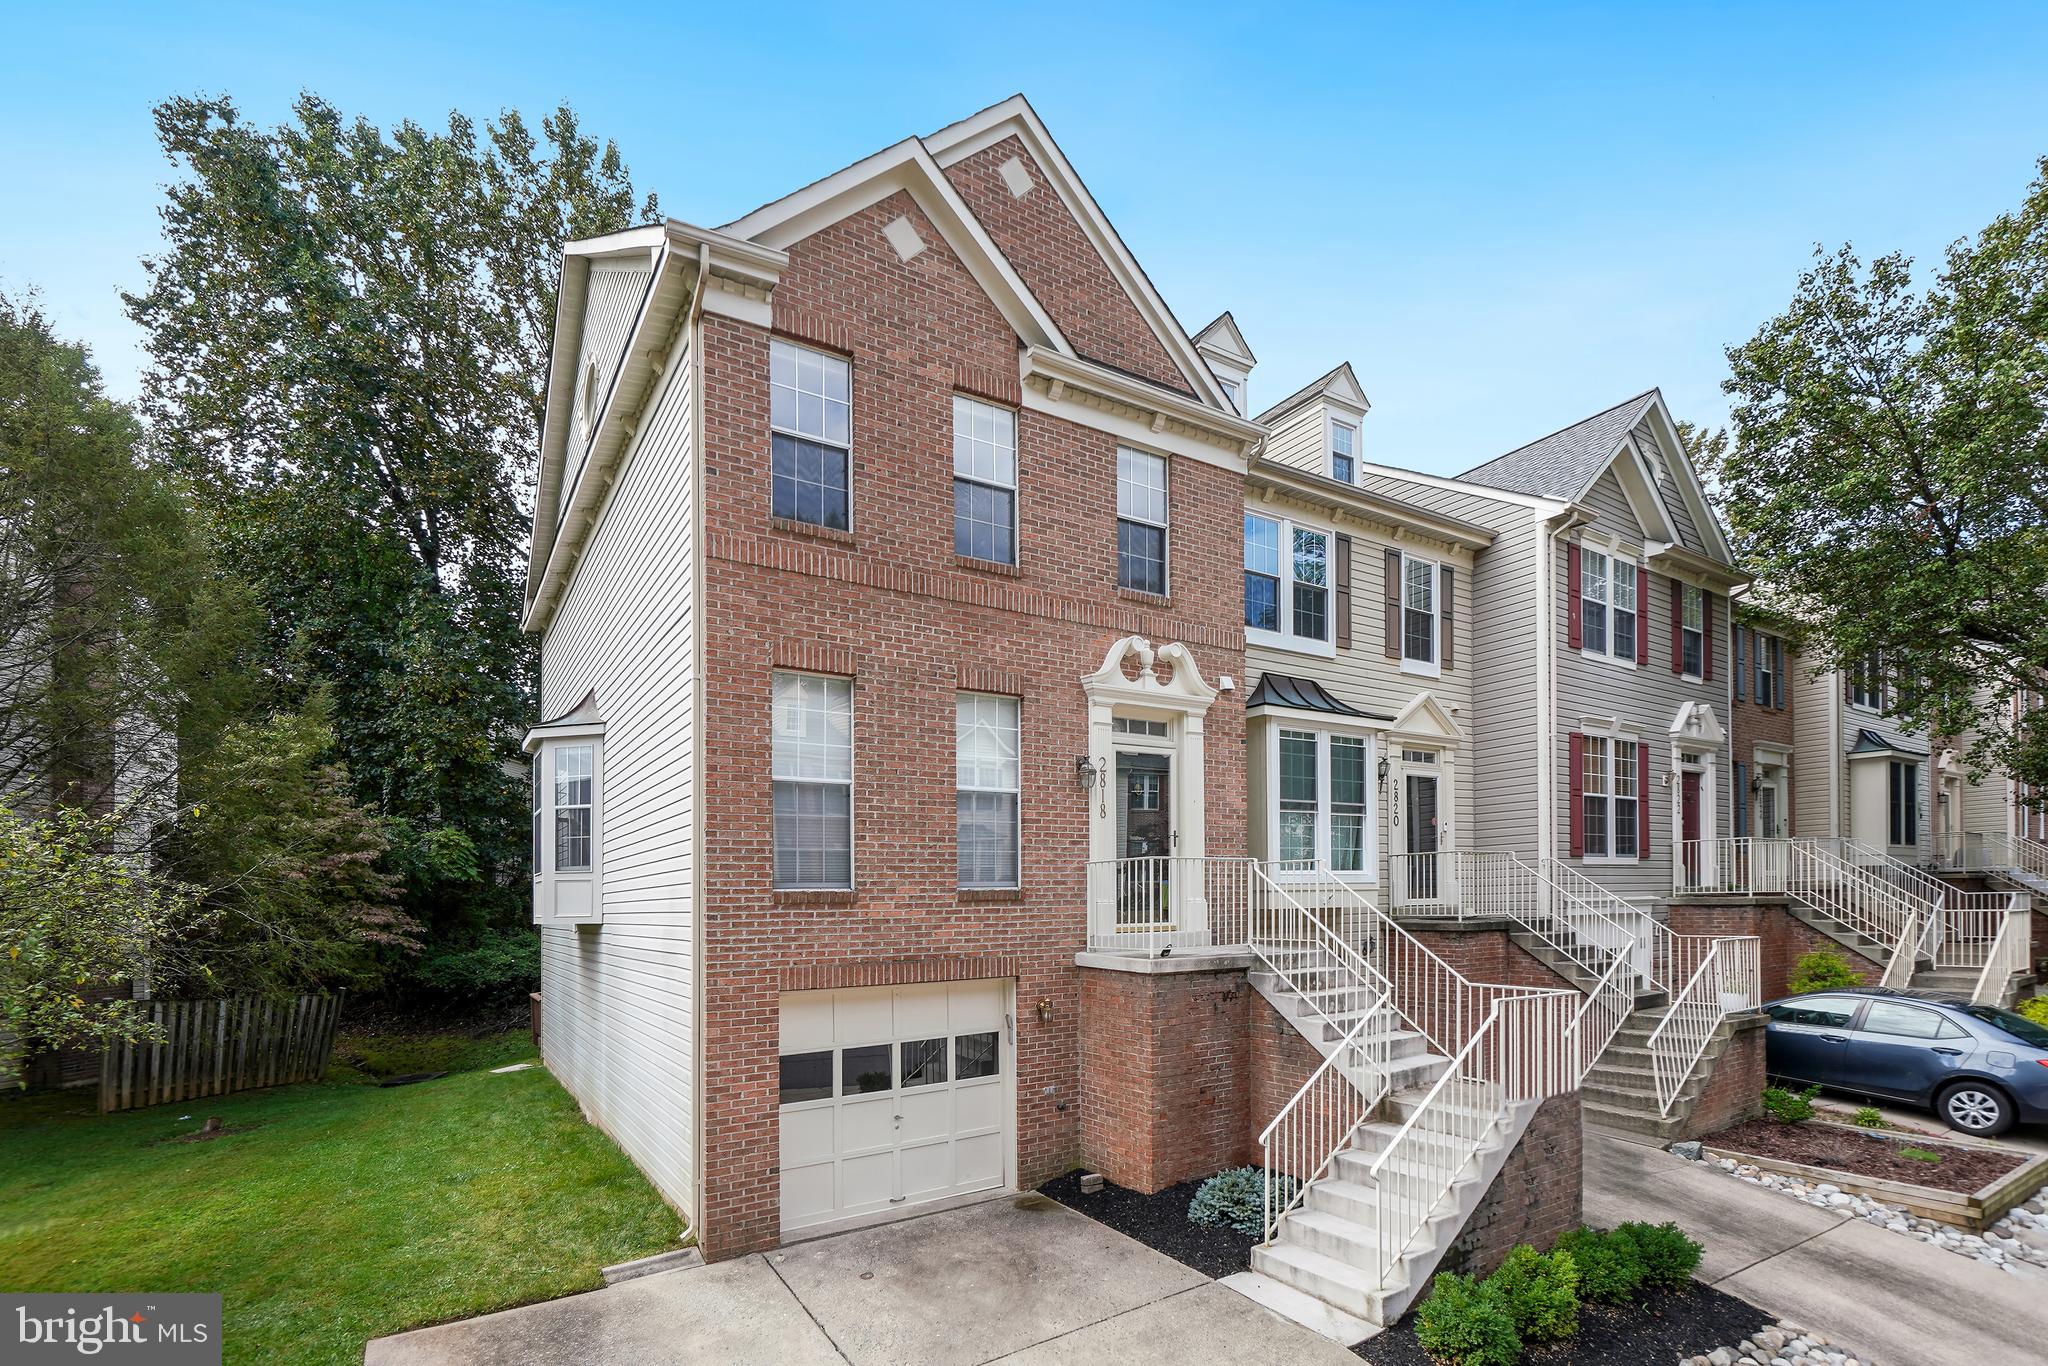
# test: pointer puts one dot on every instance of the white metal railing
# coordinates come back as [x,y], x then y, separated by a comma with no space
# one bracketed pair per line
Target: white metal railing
[1550,899]
[1314,953]
[1601,1015]
[1728,979]
[1967,852]
[1318,1122]
[1519,1052]
[2006,955]
[1614,925]
[1160,903]
[1423,882]
[1737,864]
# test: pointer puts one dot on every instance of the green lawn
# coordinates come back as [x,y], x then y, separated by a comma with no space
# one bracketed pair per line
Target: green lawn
[344,1211]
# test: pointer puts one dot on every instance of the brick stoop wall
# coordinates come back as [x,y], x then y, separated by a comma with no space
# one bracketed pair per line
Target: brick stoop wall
[1785,938]
[1735,1084]
[1538,1195]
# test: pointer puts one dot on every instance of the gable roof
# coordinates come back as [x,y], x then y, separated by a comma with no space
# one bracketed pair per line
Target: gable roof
[1223,335]
[1564,464]
[1340,384]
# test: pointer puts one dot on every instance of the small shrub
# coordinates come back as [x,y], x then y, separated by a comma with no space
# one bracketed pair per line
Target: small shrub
[1822,970]
[1465,1323]
[1609,1265]
[1236,1199]
[1920,1154]
[1669,1257]
[1541,1293]
[2035,1008]
[1867,1117]
[1789,1107]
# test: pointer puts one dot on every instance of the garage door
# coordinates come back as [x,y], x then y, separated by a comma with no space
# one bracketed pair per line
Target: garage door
[891,1096]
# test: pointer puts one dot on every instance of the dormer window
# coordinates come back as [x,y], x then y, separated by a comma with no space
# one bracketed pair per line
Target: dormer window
[1234,391]
[1343,451]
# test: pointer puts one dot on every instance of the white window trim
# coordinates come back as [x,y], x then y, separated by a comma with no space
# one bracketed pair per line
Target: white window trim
[1166,567]
[819,440]
[1614,736]
[1285,639]
[1688,592]
[852,774]
[1368,875]
[1876,706]
[1331,422]
[545,744]
[1434,668]
[1016,500]
[1017,792]
[1616,559]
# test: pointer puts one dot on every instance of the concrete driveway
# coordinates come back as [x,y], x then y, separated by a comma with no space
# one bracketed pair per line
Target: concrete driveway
[1017,1279]
[1886,1297]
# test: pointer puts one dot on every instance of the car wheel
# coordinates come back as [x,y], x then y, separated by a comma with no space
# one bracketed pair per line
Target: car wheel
[1972,1107]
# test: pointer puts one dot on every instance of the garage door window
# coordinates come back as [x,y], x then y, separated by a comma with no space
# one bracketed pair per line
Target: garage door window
[806,1076]
[864,1069]
[924,1062]
[975,1056]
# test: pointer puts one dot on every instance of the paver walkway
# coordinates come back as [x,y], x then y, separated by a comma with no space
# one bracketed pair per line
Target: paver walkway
[1891,1298]
[1018,1279]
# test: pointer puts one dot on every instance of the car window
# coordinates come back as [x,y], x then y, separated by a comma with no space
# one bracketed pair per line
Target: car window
[1891,1017]
[1951,1030]
[1833,1011]
[2015,1026]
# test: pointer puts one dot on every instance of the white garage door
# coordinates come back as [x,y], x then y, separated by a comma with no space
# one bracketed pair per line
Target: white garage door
[891,1096]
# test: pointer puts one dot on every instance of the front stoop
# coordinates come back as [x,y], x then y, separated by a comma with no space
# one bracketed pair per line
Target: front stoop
[1620,1092]
[1814,917]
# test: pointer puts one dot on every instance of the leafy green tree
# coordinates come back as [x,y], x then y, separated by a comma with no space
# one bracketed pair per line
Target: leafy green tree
[78,926]
[1888,477]
[349,335]
[120,642]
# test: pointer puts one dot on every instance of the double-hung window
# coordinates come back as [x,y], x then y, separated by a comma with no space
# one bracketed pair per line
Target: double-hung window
[1286,581]
[987,774]
[1608,615]
[1692,630]
[1905,802]
[984,481]
[1866,684]
[567,812]
[1141,521]
[1610,816]
[1322,800]
[810,416]
[1343,451]
[813,776]
[1765,648]
[1419,614]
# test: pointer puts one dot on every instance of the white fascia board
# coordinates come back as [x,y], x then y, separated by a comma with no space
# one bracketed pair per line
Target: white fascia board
[1542,507]
[1134,411]
[1224,338]
[1267,479]
[1639,487]
[1704,571]
[956,142]
[570,299]
[1689,486]
[909,167]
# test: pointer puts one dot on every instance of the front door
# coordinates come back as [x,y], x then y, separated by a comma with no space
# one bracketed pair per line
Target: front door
[1689,822]
[1144,819]
[1422,841]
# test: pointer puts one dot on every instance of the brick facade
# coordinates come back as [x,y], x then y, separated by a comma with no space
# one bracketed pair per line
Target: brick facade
[1735,1082]
[1537,1195]
[1784,939]
[890,605]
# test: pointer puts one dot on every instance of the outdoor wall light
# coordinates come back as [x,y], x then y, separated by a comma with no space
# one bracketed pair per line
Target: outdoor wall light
[1086,772]
[1045,1010]
[1383,773]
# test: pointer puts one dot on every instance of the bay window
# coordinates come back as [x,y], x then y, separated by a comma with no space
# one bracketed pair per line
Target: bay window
[1322,800]
[568,771]
[1904,802]
[812,765]
[1286,582]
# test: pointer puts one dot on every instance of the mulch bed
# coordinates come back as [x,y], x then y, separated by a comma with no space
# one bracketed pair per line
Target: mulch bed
[1843,1150]
[1160,1222]
[1662,1326]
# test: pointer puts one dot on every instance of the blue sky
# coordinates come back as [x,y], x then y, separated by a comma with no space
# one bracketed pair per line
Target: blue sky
[1505,217]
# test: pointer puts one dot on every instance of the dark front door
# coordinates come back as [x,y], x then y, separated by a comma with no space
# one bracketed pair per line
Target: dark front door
[1144,819]
[1423,880]
[1689,822]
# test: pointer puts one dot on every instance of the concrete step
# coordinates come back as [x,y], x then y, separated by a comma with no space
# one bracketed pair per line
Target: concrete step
[1329,1280]
[1346,1330]
[1631,1121]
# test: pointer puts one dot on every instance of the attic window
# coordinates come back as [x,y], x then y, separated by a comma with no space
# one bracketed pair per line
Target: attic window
[1232,390]
[1343,440]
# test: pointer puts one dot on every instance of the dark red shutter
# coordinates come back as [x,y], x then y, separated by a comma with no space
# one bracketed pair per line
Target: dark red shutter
[1340,599]
[1393,604]
[1576,783]
[1642,801]
[1642,616]
[1677,591]
[1706,636]
[1446,614]
[1571,595]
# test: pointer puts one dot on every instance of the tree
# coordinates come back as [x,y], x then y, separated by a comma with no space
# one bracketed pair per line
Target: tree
[1889,476]
[78,922]
[349,338]
[120,642]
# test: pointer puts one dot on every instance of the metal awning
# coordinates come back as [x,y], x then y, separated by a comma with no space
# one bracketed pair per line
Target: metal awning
[1304,694]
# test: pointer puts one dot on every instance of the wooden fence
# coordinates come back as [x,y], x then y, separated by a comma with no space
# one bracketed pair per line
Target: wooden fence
[210,1048]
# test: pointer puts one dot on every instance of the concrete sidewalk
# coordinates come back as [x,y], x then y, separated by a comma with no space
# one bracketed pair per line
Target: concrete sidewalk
[1889,1298]
[1016,1279]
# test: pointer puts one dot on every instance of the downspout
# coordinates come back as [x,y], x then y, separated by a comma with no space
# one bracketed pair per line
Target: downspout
[1546,688]
[695,360]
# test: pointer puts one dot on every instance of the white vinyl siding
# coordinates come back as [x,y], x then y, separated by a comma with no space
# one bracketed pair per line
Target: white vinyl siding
[616,290]
[618,998]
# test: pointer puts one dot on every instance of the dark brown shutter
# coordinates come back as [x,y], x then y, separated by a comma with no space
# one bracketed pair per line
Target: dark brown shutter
[1571,593]
[1393,604]
[1340,596]
[1575,786]
[1677,627]
[1642,617]
[1447,616]
[1706,636]
[1735,654]
[1778,673]
[1642,801]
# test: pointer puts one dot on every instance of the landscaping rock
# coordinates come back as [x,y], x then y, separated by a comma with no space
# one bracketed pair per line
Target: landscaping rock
[1690,1151]
[1785,1344]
